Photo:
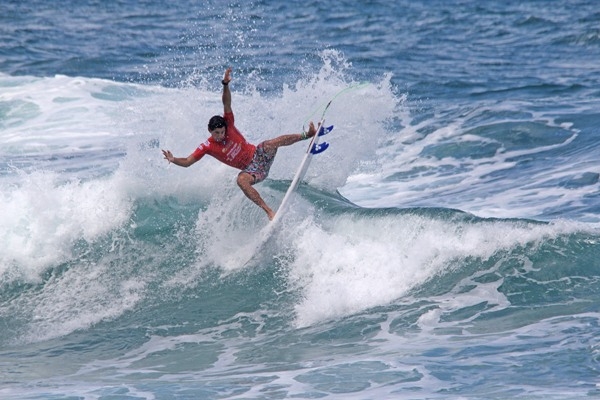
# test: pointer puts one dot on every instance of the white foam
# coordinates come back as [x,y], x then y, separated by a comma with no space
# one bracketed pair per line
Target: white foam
[358,263]
[80,298]
[43,219]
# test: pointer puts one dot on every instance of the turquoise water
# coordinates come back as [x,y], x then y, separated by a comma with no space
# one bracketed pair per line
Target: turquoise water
[446,245]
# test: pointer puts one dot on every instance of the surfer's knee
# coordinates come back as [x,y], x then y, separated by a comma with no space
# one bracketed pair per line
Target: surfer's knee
[245,179]
[270,146]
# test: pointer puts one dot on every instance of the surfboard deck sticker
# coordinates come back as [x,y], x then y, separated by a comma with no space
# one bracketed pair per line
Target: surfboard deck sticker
[313,148]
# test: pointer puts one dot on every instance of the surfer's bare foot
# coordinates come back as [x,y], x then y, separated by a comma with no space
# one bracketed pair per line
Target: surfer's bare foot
[311,130]
[270,213]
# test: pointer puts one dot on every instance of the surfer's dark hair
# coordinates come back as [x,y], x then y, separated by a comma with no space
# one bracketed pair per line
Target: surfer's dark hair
[216,122]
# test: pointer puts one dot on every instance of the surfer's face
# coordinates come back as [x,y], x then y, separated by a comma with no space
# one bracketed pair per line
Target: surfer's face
[218,134]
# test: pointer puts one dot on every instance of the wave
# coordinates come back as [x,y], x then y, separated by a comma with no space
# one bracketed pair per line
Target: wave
[96,227]
[331,259]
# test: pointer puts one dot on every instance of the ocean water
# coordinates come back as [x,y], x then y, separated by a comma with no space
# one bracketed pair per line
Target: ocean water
[446,245]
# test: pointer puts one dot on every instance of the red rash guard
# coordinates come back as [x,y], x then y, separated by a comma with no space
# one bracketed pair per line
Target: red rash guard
[234,151]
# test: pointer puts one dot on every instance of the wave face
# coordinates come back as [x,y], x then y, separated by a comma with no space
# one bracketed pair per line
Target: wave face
[446,244]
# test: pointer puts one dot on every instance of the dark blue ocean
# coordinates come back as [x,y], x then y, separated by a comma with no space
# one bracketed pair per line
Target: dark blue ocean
[445,246]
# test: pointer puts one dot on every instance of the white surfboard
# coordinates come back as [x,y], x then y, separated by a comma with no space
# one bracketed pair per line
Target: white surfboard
[313,148]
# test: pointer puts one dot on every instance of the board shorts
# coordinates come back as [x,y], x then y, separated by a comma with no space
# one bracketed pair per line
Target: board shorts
[261,163]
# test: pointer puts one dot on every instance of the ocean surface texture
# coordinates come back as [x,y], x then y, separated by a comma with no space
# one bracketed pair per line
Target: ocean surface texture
[445,246]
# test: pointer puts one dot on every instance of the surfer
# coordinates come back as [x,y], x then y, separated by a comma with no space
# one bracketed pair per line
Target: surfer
[228,145]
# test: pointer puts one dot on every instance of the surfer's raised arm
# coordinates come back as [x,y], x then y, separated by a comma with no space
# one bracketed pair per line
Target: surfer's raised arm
[226,92]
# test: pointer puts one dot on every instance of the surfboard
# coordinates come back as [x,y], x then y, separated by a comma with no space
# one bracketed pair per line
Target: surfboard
[314,147]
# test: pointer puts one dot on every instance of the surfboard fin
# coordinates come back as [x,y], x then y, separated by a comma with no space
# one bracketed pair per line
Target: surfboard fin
[319,148]
[325,130]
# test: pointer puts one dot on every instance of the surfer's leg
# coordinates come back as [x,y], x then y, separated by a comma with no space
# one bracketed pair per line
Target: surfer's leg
[245,182]
[283,140]
[286,140]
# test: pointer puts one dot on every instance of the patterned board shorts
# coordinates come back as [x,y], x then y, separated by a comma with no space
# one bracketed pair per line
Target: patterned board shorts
[261,163]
